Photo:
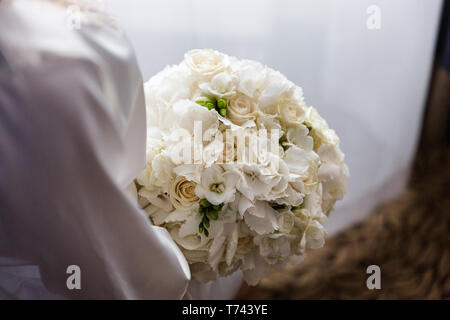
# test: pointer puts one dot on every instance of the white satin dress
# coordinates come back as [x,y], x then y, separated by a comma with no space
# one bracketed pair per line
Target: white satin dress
[72,138]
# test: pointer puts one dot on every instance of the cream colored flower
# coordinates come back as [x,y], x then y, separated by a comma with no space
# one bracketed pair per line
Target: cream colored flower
[221,85]
[320,131]
[206,62]
[241,109]
[182,193]
[292,111]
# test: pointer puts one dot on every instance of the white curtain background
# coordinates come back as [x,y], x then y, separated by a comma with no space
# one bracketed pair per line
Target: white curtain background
[370,85]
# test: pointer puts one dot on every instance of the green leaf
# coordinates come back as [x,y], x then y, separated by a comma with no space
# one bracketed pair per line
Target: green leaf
[206,222]
[204,203]
[300,206]
[213,214]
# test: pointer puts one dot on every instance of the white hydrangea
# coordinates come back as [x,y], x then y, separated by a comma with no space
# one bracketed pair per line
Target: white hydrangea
[226,205]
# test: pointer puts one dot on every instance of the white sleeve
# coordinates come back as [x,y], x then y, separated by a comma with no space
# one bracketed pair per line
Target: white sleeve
[72,136]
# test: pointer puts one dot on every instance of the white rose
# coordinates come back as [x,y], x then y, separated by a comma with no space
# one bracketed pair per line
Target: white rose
[182,193]
[320,131]
[221,85]
[241,109]
[292,111]
[206,62]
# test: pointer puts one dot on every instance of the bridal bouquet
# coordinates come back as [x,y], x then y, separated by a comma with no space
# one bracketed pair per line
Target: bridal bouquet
[240,171]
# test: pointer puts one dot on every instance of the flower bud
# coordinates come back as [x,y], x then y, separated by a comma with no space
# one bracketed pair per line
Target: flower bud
[221,103]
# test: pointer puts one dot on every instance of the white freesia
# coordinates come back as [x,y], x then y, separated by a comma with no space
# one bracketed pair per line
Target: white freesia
[239,170]
[217,185]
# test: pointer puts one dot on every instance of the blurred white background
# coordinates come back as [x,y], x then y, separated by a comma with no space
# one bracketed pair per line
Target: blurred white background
[369,84]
